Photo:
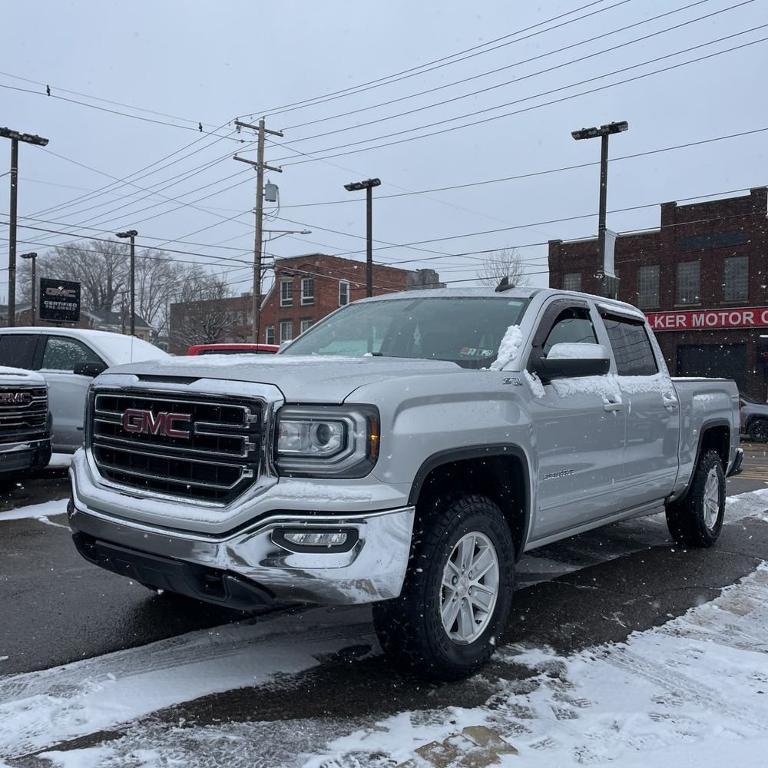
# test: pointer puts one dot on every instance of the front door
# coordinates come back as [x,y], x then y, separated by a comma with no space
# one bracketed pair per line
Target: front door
[579,429]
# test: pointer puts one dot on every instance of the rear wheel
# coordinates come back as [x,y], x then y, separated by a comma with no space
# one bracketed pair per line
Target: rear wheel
[697,519]
[457,594]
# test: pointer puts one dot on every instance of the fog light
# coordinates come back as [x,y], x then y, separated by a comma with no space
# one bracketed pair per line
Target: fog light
[316,539]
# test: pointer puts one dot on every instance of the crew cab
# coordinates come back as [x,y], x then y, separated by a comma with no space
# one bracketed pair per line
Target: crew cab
[25,442]
[405,451]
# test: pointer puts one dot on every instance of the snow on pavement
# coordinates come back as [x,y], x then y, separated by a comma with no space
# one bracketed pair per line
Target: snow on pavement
[44,510]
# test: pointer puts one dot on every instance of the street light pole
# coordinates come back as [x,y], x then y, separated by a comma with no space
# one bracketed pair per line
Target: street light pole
[604,131]
[33,258]
[368,186]
[131,235]
[27,138]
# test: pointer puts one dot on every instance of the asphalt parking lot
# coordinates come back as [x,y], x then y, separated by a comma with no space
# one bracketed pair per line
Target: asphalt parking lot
[60,610]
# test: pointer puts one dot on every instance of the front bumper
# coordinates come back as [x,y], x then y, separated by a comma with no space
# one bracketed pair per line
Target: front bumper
[246,567]
[25,455]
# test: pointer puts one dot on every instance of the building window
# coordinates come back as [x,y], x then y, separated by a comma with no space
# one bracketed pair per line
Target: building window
[572,281]
[736,286]
[343,292]
[307,291]
[305,325]
[269,334]
[286,330]
[688,281]
[648,287]
[286,292]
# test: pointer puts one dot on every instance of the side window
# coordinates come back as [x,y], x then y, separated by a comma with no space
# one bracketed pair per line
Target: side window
[574,326]
[17,350]
[631,347]
[62,354]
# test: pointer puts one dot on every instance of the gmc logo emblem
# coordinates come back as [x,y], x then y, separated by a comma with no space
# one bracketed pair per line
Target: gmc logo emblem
[164,423]
[18,398]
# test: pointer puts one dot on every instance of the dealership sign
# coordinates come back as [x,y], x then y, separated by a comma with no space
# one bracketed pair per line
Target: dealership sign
[709,319]
[59,300]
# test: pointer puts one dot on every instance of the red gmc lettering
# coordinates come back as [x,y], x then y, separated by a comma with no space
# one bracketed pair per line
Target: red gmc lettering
[164,423]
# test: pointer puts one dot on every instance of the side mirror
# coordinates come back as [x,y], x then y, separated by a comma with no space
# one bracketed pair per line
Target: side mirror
[566,361]
[89,369]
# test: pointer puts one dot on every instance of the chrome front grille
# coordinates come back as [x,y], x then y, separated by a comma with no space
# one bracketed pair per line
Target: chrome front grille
[23,414]
[201,448]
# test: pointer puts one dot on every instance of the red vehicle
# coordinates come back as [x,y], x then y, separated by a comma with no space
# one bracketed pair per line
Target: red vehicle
[233,349]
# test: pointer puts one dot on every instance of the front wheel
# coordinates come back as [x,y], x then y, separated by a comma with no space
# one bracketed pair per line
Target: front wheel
[457,594]
[696,520]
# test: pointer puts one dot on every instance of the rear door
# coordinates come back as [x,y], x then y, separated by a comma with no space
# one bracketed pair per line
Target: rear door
[578,430]
[66,390]
[653,413]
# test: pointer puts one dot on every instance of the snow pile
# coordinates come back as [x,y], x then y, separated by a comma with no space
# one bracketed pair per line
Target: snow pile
[691,693]
[509,348]
[606,387]
[36,511]
[534,382]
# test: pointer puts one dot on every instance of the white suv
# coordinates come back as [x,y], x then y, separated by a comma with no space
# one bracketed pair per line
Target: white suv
[68,358]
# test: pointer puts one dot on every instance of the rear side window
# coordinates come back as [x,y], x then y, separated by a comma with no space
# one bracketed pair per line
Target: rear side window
[62,354]
[631,347]
[17,350]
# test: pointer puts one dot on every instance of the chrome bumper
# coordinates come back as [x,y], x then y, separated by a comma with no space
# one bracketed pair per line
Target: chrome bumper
[372,570]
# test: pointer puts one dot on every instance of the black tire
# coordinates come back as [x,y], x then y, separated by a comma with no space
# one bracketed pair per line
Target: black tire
[758,430]
[410,628]
[687,518]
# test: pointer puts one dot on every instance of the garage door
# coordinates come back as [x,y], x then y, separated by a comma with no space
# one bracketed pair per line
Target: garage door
[728,361]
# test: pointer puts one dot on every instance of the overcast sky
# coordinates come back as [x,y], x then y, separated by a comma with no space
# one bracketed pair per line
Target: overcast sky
[213,61]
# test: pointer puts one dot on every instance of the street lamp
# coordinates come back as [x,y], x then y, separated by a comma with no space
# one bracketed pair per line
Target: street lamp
[27,138]
[131,235]
[33,258]
[604,131]
[368,186]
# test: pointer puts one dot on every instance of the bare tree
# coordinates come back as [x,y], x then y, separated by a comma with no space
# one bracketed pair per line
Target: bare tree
[101,267]
[204,318]
[499,264]
[159,279]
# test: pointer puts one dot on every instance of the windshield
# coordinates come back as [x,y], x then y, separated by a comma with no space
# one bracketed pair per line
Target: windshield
[463,330]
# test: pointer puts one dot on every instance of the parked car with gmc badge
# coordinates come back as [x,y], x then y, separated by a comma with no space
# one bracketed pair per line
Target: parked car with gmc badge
[25,442]
[405,451]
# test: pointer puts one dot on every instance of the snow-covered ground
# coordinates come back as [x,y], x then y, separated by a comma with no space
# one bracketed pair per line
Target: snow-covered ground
[693,692]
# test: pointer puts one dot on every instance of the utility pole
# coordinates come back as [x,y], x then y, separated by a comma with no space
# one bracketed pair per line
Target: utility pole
[611,285]
[33,258]
[131,235]
[368,186]
[260,166]
[27,138]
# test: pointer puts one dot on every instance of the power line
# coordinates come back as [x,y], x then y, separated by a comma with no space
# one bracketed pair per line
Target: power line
[440,62]
[516,80]
[533,174]
[533,107]
[70,100]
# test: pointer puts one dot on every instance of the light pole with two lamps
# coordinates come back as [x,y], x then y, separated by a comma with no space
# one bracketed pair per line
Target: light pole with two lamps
[130,234]
[368,186]
[33,258]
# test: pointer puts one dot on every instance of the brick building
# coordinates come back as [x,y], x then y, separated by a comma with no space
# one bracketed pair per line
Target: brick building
[701,280]
[305,289]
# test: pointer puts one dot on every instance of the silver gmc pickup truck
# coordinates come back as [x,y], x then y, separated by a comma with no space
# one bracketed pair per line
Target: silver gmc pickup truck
[405,452]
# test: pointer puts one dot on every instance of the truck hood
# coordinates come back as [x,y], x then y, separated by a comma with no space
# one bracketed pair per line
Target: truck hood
[315,379]
[14,377]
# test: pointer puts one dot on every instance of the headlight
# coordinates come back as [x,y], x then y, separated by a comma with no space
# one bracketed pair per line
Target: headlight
[327,440]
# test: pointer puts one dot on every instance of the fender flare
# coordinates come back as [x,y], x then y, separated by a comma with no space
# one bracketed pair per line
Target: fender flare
[707,425]
[478,452]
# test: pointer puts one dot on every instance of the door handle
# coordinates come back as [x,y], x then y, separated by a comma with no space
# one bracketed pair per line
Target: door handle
[670,404]
[612,406]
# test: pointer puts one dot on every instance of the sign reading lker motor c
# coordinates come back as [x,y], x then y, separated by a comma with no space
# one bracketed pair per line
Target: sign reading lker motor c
[709,319]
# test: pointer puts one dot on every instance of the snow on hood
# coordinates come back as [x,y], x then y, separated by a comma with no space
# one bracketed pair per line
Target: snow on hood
[300,378]
[13,376]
